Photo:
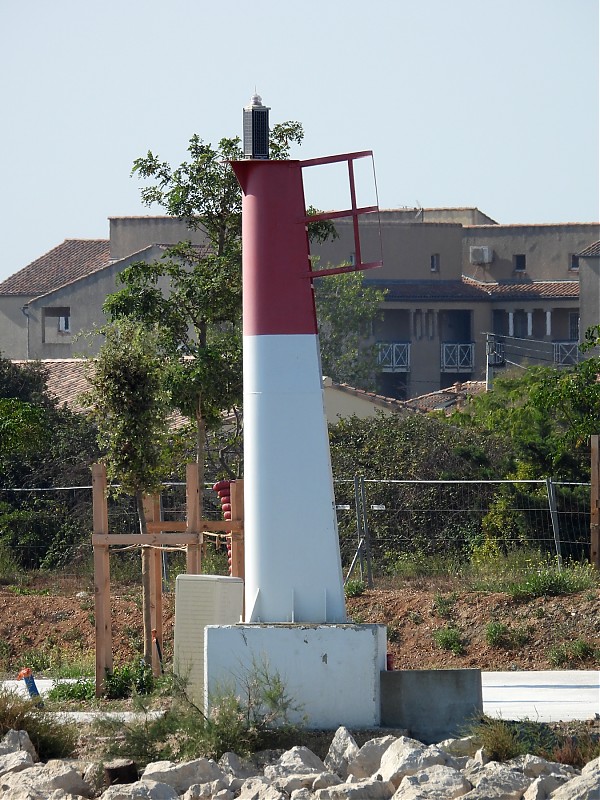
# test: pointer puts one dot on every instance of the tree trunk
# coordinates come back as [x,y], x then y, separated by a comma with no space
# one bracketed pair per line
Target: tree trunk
[146,567]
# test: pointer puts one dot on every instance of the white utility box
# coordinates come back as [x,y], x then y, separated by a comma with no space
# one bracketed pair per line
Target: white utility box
[201,600]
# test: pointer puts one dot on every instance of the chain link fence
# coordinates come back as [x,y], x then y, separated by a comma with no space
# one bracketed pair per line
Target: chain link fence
[50,529]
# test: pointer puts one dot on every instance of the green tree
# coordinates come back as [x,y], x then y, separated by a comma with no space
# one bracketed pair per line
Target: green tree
[41,446]
[129,406]
[346,308]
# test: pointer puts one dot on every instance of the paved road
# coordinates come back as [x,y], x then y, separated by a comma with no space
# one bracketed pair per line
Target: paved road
[547,696]
[544,696]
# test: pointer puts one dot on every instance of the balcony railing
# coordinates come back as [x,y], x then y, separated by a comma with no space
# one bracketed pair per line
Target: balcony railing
[566,353]
[393,356]
[457,356]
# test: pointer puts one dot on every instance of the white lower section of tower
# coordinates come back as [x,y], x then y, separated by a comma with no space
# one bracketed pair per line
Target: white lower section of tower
[293,566]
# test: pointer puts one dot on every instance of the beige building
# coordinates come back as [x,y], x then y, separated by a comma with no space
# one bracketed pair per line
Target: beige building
[453,277]
[457,284]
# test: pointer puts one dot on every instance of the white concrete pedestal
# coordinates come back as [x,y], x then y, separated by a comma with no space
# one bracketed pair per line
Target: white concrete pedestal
[332,672]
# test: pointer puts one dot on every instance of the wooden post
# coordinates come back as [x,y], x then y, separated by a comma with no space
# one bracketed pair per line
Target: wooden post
[152,511]
[193,496]
[102,618]
[237,538]
[595,503]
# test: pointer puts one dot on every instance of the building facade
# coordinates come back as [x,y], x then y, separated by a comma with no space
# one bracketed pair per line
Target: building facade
[463,293]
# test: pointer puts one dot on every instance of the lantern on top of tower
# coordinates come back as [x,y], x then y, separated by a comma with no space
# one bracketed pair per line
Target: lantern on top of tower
[256,129]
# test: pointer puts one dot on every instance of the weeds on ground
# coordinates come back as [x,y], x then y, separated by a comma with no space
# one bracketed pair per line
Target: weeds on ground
[497,634]
[255,719]
[443,605]
[572,654]
[50,738]
[505,739]
[525,575]
[449,638]
[354,588]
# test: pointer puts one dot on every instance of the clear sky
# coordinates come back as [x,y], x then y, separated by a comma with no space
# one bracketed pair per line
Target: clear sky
[488,103]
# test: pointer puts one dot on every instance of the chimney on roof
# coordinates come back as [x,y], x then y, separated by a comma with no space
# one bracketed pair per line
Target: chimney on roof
[256,129]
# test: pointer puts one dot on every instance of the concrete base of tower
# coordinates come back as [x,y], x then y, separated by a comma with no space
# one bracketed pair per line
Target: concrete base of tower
[331,672]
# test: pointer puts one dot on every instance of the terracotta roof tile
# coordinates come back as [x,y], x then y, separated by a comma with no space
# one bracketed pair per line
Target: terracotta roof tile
[533,290]
[445,399]
[377,399]
[428,290]
[592,250]
[72,259]
[66,380]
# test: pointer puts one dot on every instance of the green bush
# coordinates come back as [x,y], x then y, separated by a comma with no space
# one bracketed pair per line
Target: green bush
[128,680]
[552,580]
[497,634]
[572,654]
[449,638]
[81,689]
[354,588]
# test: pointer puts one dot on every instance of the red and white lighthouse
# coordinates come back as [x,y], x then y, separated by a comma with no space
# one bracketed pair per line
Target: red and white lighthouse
[293,568]
[295,617]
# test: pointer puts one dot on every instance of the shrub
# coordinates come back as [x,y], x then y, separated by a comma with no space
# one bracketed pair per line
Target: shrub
[571,653]
[444,604]
[128,680]
[449,638]
[254,720]
[354,588]
[50,738]
[552,580]
[497,634]
[81,689]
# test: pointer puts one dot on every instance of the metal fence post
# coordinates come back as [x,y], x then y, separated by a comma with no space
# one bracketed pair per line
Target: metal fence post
[595,503]
[554,517]
[363,497]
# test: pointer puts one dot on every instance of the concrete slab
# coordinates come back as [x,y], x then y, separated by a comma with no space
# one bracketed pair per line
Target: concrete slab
[542,696]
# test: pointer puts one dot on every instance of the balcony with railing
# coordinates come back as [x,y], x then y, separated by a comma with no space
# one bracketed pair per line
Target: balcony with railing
[566,353]
[457,356]
[393,356]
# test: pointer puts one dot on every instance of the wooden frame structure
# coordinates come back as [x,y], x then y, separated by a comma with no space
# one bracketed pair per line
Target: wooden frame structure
[160,534]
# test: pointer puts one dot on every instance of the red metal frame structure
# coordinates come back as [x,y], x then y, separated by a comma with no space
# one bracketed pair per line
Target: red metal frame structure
[353,212]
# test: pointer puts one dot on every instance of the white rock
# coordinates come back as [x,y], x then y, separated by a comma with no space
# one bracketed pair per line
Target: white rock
[302,794]
[371,789]
[583,787]
[45,778]
[232,764]
[206,790]
[543,786]
[368,758]
[215,790]
[459,747]
[342,750]
[183,775]
[140,790]
[407,756]
[297,761]
[324,780]
[534,766]
[15,741]
[591,766]
[16,761]
[435,783]
[259,788]
[498,781]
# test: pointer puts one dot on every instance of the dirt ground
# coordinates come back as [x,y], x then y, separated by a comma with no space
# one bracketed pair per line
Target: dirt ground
[43,624]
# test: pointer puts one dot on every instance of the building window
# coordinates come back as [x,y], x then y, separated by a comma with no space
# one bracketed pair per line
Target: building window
[574,263]
[435,262]
[64,323]
[573,326]
[56,325]
[519,262]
